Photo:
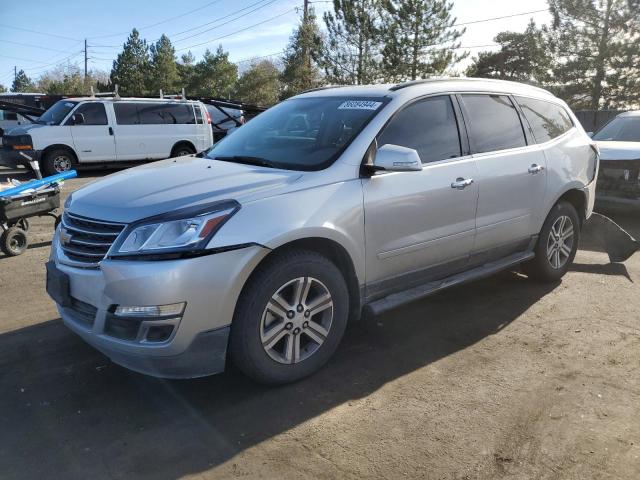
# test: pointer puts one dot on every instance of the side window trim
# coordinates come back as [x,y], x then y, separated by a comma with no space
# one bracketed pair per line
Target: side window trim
[526,127]
[463,132]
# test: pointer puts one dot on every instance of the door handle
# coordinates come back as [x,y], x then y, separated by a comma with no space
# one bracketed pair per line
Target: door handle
[110,130]
[533,169]
[461,183]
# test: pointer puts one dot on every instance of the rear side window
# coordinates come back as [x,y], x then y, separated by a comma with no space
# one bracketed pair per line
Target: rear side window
[198,110]
[154,113]
[94,113]
[547,120]
[493,123]
[178,113]
[428,126]
[126,113]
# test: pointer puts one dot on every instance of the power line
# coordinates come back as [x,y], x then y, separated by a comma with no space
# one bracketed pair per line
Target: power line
[237,31]
[30,45]
[39,33]
[161,22]
[498,18]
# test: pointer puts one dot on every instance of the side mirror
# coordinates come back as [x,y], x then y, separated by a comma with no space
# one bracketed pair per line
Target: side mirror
[394,158]
[77,119]
[590,134]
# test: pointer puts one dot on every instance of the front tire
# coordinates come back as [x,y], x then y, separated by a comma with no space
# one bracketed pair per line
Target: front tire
[557,244]
[290,318]
[57,161]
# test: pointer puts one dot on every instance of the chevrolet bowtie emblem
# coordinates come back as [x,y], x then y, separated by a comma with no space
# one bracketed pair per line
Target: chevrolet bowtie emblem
[65,236]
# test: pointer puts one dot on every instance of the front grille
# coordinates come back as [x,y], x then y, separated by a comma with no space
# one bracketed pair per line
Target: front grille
[85,240]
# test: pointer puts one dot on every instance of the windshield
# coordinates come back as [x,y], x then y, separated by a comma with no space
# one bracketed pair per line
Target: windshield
[620,129]
[56,113]
[299,134]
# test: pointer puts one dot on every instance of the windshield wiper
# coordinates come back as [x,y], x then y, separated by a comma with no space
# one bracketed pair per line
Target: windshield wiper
[247,160]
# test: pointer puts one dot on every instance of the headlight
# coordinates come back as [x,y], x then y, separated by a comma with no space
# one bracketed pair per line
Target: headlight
[184,231]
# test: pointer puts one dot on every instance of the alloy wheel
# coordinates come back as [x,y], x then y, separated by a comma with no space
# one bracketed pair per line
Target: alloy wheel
[560,242]
[296,321]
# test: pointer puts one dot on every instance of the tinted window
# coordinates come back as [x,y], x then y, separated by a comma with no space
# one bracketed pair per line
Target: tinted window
[94,114]
[178,113]
[547,120]
[620,129]
[126,113]
[428,126]
[300,133]
[493,123]
[198,111]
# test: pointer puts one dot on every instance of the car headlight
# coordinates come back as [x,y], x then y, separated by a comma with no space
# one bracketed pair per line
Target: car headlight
[181,232]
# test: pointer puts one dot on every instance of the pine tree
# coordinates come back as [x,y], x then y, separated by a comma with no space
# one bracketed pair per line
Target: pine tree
[215,75]
[22,83]
[305,46]
[186,70]
[597,46]
[131,69]
[259,84]
[164,70]
[419,38]
[353,42]
[522,57]
[2,88]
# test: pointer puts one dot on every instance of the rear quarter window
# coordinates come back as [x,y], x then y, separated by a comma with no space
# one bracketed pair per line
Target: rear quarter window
[547,120]
[493,122]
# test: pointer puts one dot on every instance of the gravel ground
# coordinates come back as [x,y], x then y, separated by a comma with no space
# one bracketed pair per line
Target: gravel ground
[502,378]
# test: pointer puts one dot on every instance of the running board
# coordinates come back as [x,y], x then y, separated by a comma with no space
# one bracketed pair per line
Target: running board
[397,299]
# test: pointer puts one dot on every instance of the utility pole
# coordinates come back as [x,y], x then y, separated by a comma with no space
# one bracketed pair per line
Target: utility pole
[305,52]
[85,60]
[15,74]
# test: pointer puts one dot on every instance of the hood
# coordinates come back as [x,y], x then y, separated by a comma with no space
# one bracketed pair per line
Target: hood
[23,129]
[619,150]
[165,186]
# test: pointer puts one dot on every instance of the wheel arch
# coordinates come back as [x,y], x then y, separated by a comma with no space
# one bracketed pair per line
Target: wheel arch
[336,253]
[180,143]
[62,146]
[576,196]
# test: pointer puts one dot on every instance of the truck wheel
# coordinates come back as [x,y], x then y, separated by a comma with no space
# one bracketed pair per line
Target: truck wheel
[182,150]
[14,241]
[557,244]
[56,161]
[290,318]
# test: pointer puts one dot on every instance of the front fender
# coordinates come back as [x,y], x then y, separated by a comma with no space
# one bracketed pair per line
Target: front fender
[334,212]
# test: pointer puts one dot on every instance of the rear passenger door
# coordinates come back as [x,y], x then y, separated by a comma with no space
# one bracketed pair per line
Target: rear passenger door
[419,226]
[93,139]
[511,176]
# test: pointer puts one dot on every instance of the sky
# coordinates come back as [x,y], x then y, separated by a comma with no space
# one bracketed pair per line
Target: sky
[46,33]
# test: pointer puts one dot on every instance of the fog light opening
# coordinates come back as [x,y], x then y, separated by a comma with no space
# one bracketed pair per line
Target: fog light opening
[159,333]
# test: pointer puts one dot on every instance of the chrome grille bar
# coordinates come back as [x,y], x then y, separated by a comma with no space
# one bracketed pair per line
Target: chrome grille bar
[86,240]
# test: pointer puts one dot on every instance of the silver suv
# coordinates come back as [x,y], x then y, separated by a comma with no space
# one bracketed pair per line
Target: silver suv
[335,203]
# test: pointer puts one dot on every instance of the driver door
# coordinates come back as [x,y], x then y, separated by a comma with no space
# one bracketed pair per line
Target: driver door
[420,226]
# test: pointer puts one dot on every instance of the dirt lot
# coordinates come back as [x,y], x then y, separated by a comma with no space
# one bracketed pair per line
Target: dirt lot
[503,378]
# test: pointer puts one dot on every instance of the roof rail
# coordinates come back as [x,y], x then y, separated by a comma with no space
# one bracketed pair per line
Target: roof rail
[400,86]
[326,87]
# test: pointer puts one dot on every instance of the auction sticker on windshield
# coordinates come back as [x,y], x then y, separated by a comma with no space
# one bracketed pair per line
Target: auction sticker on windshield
[359,105]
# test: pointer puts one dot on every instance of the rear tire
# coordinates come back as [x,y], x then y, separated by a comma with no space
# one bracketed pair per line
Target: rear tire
[182,150]
[290,318]
[557,244]
[14,241]
[57,161]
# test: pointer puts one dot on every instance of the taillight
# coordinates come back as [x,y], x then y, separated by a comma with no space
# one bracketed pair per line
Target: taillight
[242,121]
[206,112]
